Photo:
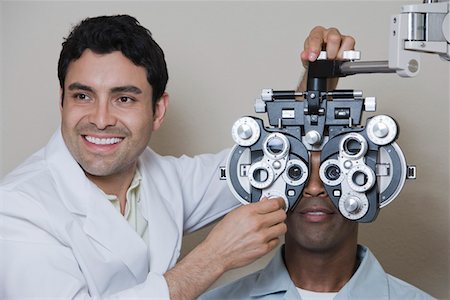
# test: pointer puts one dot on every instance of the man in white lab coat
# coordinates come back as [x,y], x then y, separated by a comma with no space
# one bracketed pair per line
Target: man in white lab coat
[96,213]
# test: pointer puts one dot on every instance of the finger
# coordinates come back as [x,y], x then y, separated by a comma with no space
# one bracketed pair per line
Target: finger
[272,244]
[263,248]
[269,205]
[348,43]
[313,44]
[333,41]
[272,218]
[268,240]
[275,231]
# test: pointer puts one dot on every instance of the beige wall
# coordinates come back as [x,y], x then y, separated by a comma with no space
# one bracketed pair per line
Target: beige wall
[220,55]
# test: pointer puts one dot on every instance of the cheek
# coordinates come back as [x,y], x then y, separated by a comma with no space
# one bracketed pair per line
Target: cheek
[140,124]
[67,120]
[70,116]
[292,223]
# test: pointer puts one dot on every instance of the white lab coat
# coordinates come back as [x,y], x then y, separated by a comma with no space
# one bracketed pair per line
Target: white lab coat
[61,238]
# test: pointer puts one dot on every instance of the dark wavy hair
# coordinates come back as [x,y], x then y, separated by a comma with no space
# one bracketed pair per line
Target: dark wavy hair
[106,34]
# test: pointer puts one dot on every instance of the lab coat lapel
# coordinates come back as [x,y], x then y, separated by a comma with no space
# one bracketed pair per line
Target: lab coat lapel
[85,200]
[164,234]
[109,228]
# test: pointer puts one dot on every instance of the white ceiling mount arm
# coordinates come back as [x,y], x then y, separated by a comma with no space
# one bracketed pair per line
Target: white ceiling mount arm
[418,28]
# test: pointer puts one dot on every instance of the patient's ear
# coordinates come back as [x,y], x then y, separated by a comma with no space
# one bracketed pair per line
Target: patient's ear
[61,99]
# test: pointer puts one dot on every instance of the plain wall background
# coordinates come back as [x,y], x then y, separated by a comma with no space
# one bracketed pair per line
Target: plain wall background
[220,55]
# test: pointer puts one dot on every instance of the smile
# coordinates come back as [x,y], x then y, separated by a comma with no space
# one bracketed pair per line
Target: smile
[103,141]
[316,213]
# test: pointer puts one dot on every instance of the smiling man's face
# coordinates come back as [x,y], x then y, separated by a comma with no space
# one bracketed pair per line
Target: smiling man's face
[107,115]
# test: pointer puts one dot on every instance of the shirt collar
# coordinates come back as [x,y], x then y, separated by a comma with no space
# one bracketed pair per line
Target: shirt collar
[371,271]
[133,188]
[275,279]
[132,193]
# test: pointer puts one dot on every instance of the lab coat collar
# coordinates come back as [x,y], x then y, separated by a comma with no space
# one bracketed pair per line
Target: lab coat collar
[68,175]
[85,200]
[275,279]
[163,231]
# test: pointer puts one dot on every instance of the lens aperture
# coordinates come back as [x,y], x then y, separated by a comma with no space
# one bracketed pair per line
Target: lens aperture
[295,172]
[352,146]
[275,145]
[261,175]
[332,172]
[360,178]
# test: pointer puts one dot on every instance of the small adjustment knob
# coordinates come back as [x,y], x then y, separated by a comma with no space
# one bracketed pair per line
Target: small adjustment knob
[277,165]
[313,137]
[352,55]
[260,106]
[322,55]
[370,104]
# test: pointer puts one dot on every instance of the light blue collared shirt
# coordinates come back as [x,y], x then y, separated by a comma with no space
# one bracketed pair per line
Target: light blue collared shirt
[370,282]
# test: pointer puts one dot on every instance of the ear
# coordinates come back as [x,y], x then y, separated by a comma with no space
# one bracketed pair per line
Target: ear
[61,93]
[160,111]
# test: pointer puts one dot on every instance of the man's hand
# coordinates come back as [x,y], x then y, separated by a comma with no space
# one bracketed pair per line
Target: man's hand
[329,40]
[241,237]
[247,233]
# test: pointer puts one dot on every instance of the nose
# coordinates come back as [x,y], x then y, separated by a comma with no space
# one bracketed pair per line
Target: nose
[314,187]
[102,116]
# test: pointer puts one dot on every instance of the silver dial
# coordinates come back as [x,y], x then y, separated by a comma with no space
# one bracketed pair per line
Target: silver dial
[245,131]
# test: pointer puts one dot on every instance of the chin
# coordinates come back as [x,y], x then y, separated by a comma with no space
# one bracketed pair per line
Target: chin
[98,171]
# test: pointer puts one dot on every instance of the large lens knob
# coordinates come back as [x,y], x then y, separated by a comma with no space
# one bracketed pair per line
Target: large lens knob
[381,130]
[245,131]
[353,206]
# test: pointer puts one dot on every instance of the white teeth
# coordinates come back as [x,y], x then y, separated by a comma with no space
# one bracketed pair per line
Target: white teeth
[316,213]
[103,141]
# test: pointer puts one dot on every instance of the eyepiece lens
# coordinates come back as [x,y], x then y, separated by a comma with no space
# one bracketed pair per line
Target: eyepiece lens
[295,172]
[360,178]
[352,146]
[261,175]
[275,145]
[332,172]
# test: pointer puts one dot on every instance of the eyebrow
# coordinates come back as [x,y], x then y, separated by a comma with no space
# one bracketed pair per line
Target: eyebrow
[79,86]
[119,89]
[127,89]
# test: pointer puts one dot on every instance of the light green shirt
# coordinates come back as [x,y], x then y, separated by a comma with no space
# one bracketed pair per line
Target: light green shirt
[370,282]
[133,210]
